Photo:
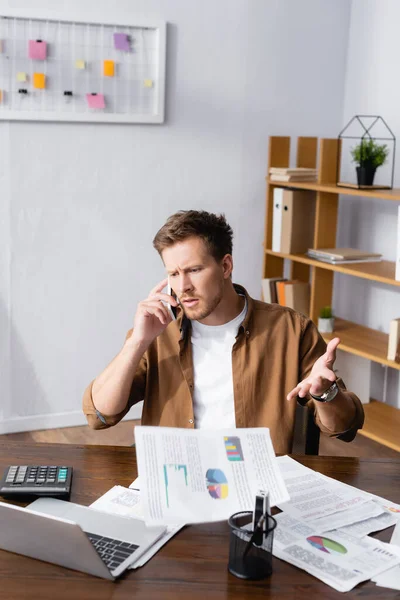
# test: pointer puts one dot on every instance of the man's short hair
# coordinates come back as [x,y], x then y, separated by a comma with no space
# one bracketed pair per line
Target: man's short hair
[212,229]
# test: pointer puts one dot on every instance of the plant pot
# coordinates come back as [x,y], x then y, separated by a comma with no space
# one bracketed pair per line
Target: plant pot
[365,175]
[326,325]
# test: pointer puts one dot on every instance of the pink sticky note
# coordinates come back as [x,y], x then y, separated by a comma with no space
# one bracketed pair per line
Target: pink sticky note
[95,100]
[37,49]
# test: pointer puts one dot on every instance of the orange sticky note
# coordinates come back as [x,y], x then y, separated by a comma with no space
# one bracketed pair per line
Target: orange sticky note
[39,81]
[1,96]
[108,68]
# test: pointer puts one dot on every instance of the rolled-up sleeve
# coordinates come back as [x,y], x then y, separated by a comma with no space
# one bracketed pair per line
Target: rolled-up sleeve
[312,346]
[97,420]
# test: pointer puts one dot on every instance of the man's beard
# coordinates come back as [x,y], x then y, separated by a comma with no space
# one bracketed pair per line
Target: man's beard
[199,313]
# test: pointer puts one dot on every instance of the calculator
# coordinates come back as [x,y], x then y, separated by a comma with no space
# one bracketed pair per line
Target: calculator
[36,480]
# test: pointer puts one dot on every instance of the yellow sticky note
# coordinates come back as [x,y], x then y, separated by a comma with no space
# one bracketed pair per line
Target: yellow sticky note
[108,68]
[1,96]
[39,81]
[21,76]
[148,83]
[80,64]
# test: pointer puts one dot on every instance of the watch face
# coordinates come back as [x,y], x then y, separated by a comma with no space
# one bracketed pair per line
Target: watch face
[329,395]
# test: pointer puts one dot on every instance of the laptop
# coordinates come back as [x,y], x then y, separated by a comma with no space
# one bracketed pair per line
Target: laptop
[75,536]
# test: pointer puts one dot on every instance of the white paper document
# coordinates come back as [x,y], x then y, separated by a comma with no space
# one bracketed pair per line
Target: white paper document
[196,476]
[336,558]
[127,503]
[362,528]
[391,578]
[314,496]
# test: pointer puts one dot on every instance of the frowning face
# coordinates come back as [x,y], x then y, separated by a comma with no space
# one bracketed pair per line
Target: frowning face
[197,278]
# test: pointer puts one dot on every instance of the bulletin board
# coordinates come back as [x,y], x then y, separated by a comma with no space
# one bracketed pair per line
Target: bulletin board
[58,70]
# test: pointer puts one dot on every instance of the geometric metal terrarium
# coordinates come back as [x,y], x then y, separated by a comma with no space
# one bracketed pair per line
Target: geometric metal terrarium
[367,154]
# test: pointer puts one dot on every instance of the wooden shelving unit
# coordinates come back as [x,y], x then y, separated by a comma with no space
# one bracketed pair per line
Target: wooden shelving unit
[356,339]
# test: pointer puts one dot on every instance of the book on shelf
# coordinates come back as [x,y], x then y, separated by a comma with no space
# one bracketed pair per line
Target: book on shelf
[299,178]
[294,294]
[268,285]
[397,275]
[292,174]
[292,171]
[292,220]
[297,296]
[335,256]
[394,340]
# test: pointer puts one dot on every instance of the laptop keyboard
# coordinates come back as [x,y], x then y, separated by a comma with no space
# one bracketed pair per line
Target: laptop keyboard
[112,552]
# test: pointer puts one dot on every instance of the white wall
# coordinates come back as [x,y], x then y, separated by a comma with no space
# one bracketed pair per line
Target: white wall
[372,88]
[81,203]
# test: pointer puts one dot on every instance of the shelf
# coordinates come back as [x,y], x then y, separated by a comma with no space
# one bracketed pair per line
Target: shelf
[382,424]
[331,188]
[362,341]
[383,271]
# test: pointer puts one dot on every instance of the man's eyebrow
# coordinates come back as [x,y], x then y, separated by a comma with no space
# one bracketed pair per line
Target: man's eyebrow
[189,268]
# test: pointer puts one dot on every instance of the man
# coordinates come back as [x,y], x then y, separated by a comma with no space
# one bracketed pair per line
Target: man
[227,360]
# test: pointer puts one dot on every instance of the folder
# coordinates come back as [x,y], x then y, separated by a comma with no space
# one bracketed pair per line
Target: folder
[297,296]
[277,220]
[397,276]
[297,229]
[280,291]
[268,285]
[394,340]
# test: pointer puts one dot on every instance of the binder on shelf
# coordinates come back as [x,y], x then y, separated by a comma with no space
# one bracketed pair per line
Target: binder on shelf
[397,276]
[280,291]
[297,296]
[394,341]
[297,229]
[269,289]
[277,220]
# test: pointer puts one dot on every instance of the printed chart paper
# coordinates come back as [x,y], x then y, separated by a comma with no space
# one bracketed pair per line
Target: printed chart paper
[196,476]
[336,558]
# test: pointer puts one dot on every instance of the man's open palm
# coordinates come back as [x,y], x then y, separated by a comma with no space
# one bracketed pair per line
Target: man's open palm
[322,375]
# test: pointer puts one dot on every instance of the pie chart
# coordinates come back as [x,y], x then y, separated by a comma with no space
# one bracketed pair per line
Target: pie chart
[326,545]
[217,484]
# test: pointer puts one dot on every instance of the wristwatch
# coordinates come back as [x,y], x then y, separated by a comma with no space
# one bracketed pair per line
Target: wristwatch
[329,394]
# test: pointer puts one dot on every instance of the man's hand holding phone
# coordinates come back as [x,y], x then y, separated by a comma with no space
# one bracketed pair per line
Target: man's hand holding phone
[153,314]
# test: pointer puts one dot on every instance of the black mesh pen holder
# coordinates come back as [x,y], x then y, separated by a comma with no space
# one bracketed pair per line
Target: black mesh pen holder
[250,556]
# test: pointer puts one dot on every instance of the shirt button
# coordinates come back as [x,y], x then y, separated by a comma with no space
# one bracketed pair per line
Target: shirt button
[191,421]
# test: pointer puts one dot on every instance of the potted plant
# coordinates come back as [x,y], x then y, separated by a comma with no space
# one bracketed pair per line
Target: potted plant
[368,155]
[326,320]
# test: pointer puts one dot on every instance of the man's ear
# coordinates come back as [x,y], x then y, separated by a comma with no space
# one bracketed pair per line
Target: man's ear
[227,265]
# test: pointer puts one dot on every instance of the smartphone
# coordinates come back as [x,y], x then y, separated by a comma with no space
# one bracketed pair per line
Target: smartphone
[172,309]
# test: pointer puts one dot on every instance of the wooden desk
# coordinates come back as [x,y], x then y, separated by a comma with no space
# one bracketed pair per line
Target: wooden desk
[194,563]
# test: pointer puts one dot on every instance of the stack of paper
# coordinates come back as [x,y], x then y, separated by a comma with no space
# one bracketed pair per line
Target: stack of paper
[323,528]
[292,174]
[337,256]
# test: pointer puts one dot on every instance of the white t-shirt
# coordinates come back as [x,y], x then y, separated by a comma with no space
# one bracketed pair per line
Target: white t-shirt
[213,402]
